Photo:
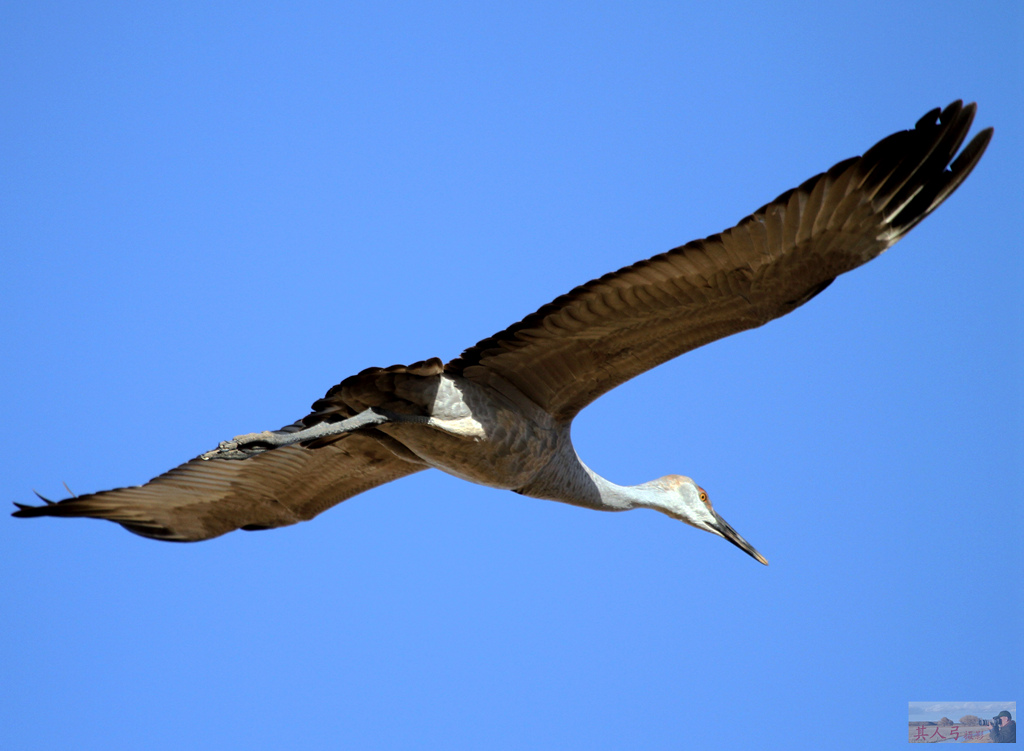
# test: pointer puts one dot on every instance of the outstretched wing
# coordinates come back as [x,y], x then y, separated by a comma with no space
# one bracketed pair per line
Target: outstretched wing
[203,499]
[608,330]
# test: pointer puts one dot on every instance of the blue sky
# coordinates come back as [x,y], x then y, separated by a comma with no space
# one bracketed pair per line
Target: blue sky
[213,212]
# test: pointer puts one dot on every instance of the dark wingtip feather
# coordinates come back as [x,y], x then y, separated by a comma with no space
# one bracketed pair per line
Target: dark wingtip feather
[944,185]
[929,117]
[26,511]
[44,499]
[77,507]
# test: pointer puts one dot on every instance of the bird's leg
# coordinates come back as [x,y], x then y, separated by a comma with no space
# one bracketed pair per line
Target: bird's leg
[250,444]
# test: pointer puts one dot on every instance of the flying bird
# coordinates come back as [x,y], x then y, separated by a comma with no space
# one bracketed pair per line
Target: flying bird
[500,413]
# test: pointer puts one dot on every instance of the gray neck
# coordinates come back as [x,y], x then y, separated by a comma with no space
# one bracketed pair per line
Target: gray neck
[567,479]
[612,497]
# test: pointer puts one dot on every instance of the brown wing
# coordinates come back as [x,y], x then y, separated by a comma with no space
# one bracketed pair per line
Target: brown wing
[204,499]
[610,329]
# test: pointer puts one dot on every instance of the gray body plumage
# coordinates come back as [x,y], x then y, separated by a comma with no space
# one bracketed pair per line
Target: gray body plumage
[500,414]
[495,438]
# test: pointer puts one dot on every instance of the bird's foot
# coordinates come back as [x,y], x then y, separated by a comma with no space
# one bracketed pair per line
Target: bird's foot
[245,446]
[251,444]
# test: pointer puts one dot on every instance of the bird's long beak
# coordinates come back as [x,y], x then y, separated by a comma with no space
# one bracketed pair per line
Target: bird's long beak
[734,537]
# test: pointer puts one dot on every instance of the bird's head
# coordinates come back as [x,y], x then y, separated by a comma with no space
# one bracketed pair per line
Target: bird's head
[683,499]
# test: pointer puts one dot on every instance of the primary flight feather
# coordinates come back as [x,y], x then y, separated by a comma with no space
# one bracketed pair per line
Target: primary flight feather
[500,413]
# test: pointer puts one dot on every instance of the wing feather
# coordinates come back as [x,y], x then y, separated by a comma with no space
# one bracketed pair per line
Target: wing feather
[610,329]
[207,498]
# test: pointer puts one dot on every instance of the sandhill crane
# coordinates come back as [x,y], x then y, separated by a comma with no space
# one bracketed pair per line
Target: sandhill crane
[500,414]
